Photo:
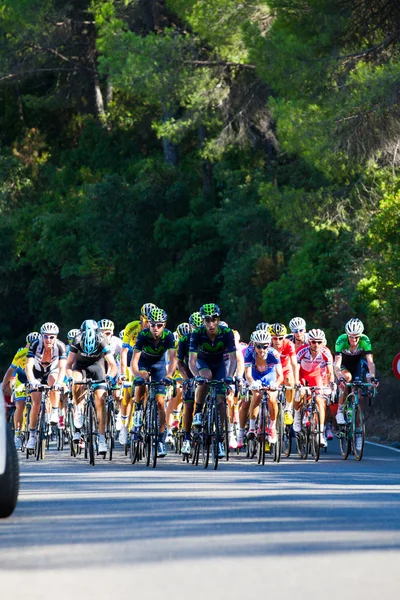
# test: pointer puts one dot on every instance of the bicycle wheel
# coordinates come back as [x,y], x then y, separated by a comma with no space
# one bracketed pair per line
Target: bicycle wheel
[110,430]
[358,431]
[91,433]
[154,432]
[206,434]
[262,436]
[40,446]
[71,430]
[147,436]
[134,449]
[215,433]
[315,435]
[344,440]
[225,432]
[302,438]
[280,427]
[287,441]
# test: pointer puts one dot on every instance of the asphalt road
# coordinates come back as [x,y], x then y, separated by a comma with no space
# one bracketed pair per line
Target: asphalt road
[320,530]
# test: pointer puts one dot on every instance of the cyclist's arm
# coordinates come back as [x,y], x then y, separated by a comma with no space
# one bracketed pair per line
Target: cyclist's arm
[70,362]
[337,365]
[239,363]
[192,363]
[29,369]
[61,370]
[135,362]
[183,370]
[113,369]
[7,376]
[279,374]
[295,368]
[371,364]
[171,354]
[231,364]
[329,368]
[123,359]
[248,373]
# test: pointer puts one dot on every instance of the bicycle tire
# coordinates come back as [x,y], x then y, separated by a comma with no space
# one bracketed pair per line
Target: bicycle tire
[91,432]
[206,434]
[110,431]
[358,430]
[287,441]
[71,430]
[154,432]
[41,434]
[225,431]
[215,432]
[134,450]
[344,441]
[262,437]
[280,426]
[315,435]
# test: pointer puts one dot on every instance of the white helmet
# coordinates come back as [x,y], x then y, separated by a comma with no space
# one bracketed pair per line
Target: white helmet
[106,324]
[121,334]
[261,336]
[31,337]
[354,327]
[263,325]
[316,335]
[297,323]
[49,328]
[72,333]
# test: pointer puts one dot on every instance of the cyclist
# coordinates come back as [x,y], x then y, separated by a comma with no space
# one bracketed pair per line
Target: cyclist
[263,368]
[17,370]
[89,353]
[314,358]
[298,334]
[130,334]
[148,362]
[45,364]
[353,360]
[290,368]
[207,347]
[175,402]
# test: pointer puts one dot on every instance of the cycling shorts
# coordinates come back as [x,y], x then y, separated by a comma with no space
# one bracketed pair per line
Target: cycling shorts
[357,369]
[19,390]
[43,374]
[218,371]
[95,371]
[157,371]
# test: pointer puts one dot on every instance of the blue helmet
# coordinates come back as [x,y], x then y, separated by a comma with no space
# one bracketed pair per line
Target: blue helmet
[89,330]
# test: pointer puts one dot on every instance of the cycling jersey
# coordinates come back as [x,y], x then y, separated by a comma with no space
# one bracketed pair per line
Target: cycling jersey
[312,369]
[212,351]
[342,347]
[258,373]
[131,332]
[42,369]
[285,353]
[101,349]
[152,351]
[19,363]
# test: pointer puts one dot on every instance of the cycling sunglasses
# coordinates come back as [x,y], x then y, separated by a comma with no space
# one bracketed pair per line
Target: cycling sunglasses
[49,337]
[157,324]
[316,342]
[211,319]
[278,337]
[262,346]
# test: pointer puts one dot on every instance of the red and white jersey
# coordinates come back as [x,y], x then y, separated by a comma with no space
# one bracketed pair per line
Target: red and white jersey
[313,370]
[285,353]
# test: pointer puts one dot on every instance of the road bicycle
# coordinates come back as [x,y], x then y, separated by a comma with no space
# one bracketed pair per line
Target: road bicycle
[352,434]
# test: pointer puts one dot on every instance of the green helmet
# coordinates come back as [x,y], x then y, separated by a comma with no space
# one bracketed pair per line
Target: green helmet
[195,319]
[158,315]
[210,310]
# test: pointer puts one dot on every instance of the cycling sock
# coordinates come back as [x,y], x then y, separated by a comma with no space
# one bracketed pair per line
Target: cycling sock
[186,436]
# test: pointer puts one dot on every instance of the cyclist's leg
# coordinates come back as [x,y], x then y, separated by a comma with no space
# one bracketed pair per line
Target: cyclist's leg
[54,396]
[188,400]
[347,376]
[201,390]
